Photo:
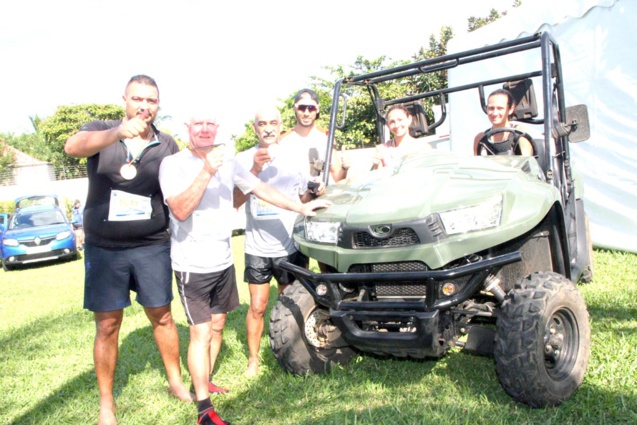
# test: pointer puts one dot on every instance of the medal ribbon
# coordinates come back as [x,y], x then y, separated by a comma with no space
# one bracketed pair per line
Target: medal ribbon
[129,157]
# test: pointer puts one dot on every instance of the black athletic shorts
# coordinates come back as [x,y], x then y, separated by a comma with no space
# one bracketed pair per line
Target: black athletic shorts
[261,269]
[204,294]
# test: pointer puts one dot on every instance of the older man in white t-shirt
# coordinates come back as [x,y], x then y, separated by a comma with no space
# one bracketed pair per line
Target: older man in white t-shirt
[268,239]
[198,185]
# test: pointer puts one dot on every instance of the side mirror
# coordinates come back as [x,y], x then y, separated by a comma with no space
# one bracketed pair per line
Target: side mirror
[577,123]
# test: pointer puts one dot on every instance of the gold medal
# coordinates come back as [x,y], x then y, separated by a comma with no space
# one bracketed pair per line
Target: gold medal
[128,171]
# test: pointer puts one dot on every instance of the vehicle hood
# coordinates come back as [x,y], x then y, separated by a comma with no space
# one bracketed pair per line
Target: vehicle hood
[41,231]
[434,182]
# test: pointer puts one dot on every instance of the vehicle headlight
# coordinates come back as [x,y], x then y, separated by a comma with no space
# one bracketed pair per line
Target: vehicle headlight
[322,231]
[10,242]
[63,235]
[484,215]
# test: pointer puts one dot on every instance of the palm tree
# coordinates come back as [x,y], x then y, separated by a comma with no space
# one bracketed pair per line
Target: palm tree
[35,122]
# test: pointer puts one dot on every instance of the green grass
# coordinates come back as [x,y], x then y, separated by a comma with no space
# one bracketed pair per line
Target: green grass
[47,377]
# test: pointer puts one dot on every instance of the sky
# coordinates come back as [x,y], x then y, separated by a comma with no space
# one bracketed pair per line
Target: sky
[229,56]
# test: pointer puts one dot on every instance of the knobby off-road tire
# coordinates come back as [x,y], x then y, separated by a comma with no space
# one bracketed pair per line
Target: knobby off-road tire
[542,343]
[288,338]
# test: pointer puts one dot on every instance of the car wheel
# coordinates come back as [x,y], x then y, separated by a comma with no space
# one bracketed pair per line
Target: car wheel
[302,337]
[6,267]
[542,342]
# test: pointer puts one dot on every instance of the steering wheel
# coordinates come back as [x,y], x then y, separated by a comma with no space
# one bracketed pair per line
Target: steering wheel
[494,131]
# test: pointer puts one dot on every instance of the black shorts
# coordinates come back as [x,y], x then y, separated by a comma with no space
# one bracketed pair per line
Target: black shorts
[261,269]
[111,273]
[204,294]
[77,226]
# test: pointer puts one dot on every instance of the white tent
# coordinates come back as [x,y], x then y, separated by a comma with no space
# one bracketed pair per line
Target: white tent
[598,45]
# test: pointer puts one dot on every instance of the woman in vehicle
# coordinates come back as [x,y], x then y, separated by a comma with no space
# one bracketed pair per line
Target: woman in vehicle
[496,141]
[398,120]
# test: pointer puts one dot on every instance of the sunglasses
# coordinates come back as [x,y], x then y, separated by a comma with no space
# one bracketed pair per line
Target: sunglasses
[304,108]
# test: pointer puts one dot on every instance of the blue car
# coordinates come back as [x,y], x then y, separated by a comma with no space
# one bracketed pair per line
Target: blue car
[37,231]
[4,220]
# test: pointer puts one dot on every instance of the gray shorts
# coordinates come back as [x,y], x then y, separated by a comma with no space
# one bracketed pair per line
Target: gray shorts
[203,294]
[111,273]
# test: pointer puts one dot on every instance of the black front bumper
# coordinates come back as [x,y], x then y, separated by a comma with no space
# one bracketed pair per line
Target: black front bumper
[420,316]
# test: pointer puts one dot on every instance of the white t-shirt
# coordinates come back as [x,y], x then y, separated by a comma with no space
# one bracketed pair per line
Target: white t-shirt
[393,155]
[201,243]
[314,146]
[269,228]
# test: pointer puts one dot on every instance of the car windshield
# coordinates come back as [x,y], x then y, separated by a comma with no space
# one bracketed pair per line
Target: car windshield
[36,218]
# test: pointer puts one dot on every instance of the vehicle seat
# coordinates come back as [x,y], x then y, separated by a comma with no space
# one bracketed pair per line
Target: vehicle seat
[419,126]
[538,147]
[524,98]
[525,111]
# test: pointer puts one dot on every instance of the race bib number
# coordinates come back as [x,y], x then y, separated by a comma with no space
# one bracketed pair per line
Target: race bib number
[262,210]
[128,207]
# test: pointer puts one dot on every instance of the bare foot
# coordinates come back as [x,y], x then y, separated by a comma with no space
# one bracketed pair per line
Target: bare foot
[252,370]
[182,393]
[107,415]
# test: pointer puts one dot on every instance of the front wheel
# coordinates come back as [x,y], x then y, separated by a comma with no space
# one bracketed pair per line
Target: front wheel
[6,267]
[543,340]
[302,337]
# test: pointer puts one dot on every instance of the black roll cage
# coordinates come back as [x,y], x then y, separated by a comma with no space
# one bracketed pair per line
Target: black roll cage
[555,161]
[556,152]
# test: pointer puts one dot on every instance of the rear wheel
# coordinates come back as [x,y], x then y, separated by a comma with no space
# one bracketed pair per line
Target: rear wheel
[302,337]
[543,340]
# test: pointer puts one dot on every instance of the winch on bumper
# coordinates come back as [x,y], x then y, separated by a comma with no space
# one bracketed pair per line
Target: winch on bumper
[405,307]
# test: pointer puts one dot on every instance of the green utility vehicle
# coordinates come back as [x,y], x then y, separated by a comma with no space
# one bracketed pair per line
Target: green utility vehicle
[482,253]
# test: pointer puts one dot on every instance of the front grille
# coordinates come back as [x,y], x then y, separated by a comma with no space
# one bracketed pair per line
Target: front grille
[401,237]
[402,290]
[40,255]
[403,266]
[43,241]
[395,289]
[406,266]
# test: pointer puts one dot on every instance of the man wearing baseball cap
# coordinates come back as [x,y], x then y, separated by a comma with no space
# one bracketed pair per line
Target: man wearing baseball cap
[307,135]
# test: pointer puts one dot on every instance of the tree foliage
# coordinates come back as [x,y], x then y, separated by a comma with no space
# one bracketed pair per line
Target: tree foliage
[66,121]
[249,138]
[246,140]
[35,122]
[7,156]
[358,110]
[47,144]
[47,141]
[474,23]
[359,122]
[31,144]
[437,48]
